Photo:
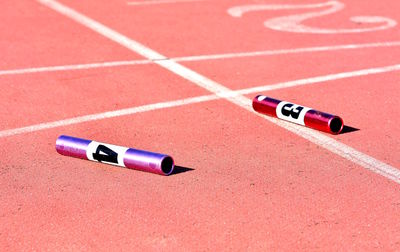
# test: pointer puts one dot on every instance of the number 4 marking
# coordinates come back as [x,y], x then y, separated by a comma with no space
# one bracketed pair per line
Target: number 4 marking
[105,154]
[293,23]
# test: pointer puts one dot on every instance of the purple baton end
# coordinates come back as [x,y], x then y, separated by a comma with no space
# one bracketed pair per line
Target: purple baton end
[149,161]
[72,146]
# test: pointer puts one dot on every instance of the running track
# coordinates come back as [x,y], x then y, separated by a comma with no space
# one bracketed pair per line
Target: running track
[177,77]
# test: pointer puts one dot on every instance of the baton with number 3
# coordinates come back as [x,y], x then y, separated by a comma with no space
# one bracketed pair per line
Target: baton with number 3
[298,114]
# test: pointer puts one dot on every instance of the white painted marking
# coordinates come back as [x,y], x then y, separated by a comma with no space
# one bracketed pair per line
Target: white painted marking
[318,138]
[288,51]
[105,115]
[238,11]
[74,67]
[200,57]
[103,30]
[148,2]
[293,23]
[323,78]
[340,149]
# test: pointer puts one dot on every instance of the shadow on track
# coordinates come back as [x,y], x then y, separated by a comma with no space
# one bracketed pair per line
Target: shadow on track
[181,169]
[348,129]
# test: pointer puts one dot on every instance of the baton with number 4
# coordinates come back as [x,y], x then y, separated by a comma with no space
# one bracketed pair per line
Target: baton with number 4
[298,114]
[115,155]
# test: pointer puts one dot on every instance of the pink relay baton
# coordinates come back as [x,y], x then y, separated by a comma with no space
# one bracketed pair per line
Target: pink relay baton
[298,114]
[115,155]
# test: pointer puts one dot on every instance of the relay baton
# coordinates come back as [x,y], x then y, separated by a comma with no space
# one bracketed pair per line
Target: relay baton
[298,114]
[115,155]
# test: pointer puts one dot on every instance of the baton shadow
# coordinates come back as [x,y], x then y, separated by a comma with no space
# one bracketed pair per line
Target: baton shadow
[348,129]
[181,169]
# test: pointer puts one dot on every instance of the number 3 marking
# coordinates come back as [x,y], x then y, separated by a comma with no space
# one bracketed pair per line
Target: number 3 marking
[293,23]
[291,112]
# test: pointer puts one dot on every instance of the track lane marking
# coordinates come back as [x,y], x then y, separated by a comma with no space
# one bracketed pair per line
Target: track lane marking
[320,139]
[323,78]
[105,115]
[287,51]
[199,58]
[296,22]
[74,67]
[149,2]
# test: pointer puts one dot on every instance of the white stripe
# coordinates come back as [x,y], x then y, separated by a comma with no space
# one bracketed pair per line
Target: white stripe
[294,22]
[74,67]
[147,2]
[103,30]
[202,81]
[105,115]
[200,57]
[340,149]
[287,51]
[238,11]
[323,78]
[181,102]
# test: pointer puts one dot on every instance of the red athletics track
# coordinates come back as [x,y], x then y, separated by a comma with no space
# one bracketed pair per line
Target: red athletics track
[252,185]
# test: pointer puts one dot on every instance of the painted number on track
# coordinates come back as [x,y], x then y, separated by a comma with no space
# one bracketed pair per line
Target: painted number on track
[294,23]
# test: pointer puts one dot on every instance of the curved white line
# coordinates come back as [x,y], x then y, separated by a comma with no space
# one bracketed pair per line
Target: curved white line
[294,23]
[149,2]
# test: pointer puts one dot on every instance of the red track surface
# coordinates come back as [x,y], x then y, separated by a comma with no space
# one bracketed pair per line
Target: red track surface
[253,185]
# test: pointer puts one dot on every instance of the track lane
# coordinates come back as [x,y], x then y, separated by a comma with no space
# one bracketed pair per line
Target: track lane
[45,97]
[330,144]
[366,103]
[247,72]
[264,201]
[207,28]
[32,35]
[320,214]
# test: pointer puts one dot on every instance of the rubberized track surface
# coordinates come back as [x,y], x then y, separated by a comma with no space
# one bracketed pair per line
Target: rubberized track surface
[177,77]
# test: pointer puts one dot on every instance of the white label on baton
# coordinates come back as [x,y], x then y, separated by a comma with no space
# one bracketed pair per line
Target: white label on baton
[291,112]
[106,153]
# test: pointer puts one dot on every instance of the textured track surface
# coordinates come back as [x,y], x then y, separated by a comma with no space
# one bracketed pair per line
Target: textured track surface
[243,182]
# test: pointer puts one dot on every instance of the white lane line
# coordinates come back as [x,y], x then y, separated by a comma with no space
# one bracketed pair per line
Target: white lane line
[287,51]
[323,78]
[103,30]
[105,115]
[147,2]
[74,67]
[200,57]
[198,99]
[320,139]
